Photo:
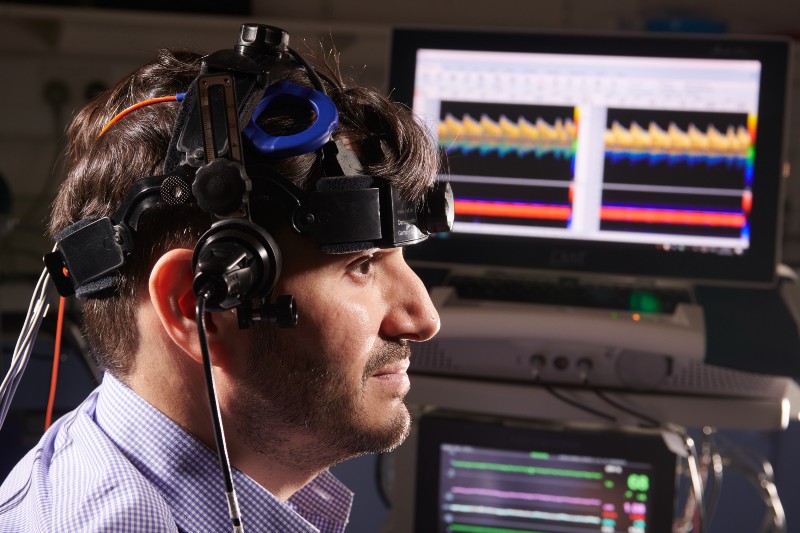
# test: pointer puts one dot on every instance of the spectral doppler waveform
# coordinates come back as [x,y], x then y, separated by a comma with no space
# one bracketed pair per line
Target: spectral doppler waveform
[678,159]
[672,216]
[511,209]
[734,144]
[506,136]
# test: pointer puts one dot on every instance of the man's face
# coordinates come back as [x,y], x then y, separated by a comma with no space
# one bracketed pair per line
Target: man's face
[338,378]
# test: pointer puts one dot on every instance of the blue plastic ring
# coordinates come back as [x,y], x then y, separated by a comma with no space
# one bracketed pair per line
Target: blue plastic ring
[307,140]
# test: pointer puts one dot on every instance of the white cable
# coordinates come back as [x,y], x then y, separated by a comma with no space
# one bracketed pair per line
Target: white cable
[23,338]
[22,357]
[758,471]
[695,503]
[37,310]
[15,374]
[24,341]
[697,482]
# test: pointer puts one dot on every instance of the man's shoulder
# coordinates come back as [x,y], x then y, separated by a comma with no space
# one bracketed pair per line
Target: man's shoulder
[75,479]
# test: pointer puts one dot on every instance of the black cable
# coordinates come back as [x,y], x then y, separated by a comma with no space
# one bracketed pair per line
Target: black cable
[692,459]
[316,81]
[216,419]
[696,482]
[652,422]
[577,405]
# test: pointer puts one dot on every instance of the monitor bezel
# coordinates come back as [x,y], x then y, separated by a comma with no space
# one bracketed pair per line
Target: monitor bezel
[438,428]
[755,267]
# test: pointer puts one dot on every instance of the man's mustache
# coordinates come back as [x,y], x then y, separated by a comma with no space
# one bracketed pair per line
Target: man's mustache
[391,352]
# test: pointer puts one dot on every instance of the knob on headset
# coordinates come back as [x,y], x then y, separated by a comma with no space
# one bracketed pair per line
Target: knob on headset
[220,187]
[436,213]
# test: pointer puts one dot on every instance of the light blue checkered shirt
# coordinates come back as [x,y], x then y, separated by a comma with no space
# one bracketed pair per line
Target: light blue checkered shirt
[118,464]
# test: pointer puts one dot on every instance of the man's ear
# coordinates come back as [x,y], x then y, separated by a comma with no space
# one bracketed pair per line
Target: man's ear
[174,302]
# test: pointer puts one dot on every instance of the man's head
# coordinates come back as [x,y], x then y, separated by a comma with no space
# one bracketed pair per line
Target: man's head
[100,171]
[341,373]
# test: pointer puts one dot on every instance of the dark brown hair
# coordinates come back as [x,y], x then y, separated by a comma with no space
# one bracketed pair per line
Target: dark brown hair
[100,171]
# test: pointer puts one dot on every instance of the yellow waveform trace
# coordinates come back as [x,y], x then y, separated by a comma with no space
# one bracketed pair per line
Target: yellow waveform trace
[490,127]
[472,128]
[509,129]
[679,140]
[528,130]
[734,142]
[505,133]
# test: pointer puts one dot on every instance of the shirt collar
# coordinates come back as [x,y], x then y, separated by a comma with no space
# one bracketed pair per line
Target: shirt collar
[188,475]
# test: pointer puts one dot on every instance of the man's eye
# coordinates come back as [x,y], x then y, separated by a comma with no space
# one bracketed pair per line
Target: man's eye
[365,267]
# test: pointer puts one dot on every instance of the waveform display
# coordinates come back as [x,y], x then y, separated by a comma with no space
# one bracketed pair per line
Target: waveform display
[672,216]
[467,209]
[676,212]
[505,136]
[683,149]
[527,469]
[523,513]
[512,495]
[712,144]
[464,528]
[535,492]
[509,140]
[514,204]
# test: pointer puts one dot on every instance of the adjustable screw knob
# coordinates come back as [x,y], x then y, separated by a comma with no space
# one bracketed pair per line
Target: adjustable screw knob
[283,312]
[219,187]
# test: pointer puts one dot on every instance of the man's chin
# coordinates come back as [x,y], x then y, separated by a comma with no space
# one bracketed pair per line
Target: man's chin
[385,432]
[400,427]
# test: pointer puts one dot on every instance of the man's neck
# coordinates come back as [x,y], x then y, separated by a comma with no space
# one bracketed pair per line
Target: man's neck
[179,391]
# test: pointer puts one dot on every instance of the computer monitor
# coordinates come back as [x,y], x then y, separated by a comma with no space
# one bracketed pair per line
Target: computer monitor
[648,155]
[487,476]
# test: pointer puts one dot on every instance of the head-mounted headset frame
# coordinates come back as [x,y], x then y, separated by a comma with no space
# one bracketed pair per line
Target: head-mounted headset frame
[346,211]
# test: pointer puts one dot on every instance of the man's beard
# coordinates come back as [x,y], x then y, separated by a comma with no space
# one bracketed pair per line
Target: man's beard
[289,391]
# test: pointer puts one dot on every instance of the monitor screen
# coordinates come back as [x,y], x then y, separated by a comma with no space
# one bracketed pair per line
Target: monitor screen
[492,477]
[641,154]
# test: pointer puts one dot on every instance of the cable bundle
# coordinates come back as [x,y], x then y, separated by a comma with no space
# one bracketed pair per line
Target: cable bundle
[37,310]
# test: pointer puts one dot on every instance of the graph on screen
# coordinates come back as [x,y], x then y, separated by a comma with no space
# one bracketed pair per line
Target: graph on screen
[529,149]
[678,173]
[485,490]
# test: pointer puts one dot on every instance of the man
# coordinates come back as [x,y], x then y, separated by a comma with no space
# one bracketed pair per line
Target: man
[138,454]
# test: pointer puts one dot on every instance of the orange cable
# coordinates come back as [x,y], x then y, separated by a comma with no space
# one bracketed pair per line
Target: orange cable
[135,107]
[56,356]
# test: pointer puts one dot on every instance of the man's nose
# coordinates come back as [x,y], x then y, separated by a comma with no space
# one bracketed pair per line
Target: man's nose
[411,315]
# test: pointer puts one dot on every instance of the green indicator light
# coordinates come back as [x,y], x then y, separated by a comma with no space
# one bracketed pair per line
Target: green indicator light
[641,497]
[608,484]
[644,301]
[539,455]
[639,482]
[628,494]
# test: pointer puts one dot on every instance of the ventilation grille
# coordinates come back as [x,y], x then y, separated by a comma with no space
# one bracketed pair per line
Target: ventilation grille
[696,376]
